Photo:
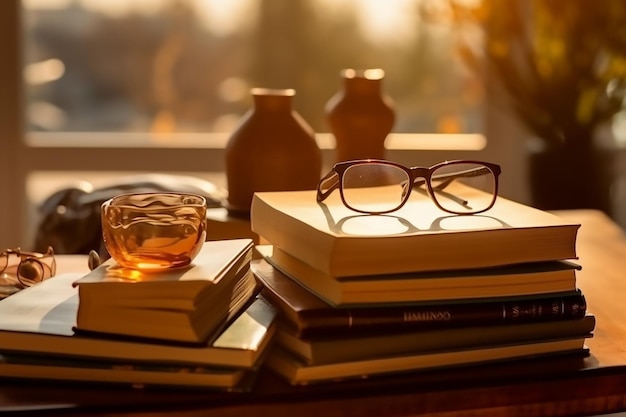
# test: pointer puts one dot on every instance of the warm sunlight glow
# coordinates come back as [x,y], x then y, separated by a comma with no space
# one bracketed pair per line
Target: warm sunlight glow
[378,21]
[44,71]
[173,66]
[226,17]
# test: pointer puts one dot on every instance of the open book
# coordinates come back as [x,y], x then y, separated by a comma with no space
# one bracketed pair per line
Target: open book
[40,320]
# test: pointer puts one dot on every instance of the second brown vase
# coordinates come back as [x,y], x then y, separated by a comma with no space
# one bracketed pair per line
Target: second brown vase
[360,115]
[272,149]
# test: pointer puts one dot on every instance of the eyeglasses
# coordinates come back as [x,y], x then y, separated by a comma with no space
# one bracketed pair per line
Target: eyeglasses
[27,267]
[374,186]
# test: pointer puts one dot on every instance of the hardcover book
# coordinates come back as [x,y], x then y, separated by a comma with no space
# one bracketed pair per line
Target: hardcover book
[511,280]
[297,372]
[40,320]
[418,237]
[217,262]
[325,349]
[307,315]
[136,375]
[184,305]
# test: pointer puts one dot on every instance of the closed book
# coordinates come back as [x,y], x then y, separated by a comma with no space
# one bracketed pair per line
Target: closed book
[418,237]
[323,350]
[215,264]
[512,280]
[297,372]
[183,305]
[137,375]
[308,315]
[40,320]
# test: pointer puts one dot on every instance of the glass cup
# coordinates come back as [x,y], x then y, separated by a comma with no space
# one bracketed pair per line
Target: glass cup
[154,231]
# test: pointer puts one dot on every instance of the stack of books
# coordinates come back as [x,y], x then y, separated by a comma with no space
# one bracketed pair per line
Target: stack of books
[182,304]
[417,289]
[203,326]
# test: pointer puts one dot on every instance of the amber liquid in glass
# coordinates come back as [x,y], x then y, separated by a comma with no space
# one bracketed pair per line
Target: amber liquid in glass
[155,236]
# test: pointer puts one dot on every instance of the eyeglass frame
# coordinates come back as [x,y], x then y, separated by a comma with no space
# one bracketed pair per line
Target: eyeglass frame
[413,173]
[30,257]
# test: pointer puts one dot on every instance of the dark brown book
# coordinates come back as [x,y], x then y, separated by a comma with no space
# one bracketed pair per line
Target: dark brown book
[317,351]
[307,315]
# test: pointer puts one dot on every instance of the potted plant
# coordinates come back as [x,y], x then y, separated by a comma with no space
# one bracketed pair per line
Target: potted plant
[562,67]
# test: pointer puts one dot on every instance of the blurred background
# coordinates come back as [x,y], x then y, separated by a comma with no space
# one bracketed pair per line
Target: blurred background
[187,66]
[95,89]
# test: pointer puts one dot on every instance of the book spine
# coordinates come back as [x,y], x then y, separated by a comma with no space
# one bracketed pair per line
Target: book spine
[429,317]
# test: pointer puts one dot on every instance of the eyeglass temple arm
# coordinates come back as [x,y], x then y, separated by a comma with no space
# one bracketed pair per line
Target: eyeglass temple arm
[328,184]
[22,254]
[448,178]
[450,196]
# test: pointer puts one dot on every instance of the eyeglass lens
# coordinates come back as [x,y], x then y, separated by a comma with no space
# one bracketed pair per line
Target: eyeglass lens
[374,187]
[4,261]
[464,187]
[27,268]
[377,187]
[30,271]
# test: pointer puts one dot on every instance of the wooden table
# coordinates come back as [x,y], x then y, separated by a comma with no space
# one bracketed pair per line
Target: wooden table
[552,387]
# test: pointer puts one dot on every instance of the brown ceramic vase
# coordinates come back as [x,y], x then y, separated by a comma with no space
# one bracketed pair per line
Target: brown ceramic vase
[360,115]
[272,149]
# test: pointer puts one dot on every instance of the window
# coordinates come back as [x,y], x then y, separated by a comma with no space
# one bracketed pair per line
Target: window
[187,66]
[114,86]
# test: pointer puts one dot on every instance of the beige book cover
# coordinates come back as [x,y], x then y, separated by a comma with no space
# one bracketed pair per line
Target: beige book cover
[429,286]
[216,262]
[418,237]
